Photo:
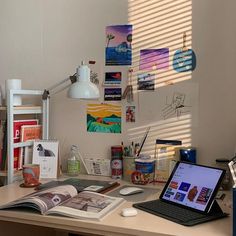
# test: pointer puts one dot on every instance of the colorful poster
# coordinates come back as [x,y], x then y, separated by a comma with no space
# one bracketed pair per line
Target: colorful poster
[112,78]
[146,81]
[154,59]
[112,94]
[104,118]
[118,45]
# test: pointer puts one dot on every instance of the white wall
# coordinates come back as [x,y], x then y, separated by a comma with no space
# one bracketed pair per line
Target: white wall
[42,42]
[214,37]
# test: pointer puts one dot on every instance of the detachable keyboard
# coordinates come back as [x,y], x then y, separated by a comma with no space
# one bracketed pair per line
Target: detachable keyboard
[175,213]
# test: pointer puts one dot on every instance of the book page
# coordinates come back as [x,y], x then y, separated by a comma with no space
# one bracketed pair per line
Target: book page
[88,205]
[44,200]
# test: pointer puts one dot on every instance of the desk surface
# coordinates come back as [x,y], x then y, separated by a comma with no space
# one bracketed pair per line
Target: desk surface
[113,224]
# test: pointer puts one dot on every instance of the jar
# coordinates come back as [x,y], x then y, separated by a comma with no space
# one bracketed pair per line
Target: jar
[223,164]
[73,162]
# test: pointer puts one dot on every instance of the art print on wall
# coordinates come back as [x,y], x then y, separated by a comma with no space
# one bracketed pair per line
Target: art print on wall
[112,78]
[118,45]
[112,94]
[104,118]
[154,59]
[146,81]
[130,113]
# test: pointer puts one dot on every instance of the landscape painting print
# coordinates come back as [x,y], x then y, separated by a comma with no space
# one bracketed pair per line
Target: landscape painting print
[154,59]
[104,118]
[118,45]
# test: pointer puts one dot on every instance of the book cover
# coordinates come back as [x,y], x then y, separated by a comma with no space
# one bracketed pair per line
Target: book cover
[28,132]
[17,124]
[64,200]
[45,153]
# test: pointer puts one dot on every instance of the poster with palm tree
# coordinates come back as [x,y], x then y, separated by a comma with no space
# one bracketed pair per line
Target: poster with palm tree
[118,45]
[104,118]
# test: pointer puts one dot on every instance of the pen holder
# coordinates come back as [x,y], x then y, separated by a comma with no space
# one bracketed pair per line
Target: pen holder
[128,167]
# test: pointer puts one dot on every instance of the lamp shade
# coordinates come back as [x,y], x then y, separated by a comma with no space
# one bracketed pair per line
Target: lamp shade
[83,88]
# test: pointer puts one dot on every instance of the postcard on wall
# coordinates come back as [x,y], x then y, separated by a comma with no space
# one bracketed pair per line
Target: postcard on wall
[45,153]
[112,78]
[130,113]
[112,94]
[118,45]
[146,81]
[154,59]
[104,118]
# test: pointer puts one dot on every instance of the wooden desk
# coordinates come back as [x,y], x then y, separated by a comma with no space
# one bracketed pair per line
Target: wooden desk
[144,224]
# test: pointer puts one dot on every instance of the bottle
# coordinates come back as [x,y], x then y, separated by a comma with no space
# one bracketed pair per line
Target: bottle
[73,162]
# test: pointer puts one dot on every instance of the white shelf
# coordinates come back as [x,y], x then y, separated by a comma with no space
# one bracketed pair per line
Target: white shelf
[12,110]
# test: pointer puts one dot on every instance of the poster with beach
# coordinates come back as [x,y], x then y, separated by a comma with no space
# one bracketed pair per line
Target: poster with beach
[118,45]
[104,118]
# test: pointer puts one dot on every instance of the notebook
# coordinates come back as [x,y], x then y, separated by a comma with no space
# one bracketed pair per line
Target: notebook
[188,197]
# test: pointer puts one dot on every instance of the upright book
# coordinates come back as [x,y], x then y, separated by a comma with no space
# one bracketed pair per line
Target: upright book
[64,200]
[28,133]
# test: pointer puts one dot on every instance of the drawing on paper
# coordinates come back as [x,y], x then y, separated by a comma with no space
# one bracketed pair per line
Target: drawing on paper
[104,118]
[176,106]
[118,48]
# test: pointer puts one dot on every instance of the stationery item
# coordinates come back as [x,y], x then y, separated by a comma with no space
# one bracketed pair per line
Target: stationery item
[165,156]
[31,175]
[14,84]
[188,197]
[143,141]
[128,167]
[116,162]
[66,201]
[98,166]
[45,153]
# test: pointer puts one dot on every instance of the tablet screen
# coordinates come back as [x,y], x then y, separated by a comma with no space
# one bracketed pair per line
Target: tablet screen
[193,186]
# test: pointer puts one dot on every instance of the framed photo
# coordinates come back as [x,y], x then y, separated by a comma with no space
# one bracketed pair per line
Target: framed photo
[45,153]
[232,168]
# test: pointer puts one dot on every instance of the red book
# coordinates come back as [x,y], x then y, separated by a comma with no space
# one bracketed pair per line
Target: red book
[16,135]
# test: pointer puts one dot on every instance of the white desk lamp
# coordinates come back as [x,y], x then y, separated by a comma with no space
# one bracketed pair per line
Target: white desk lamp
[81,87]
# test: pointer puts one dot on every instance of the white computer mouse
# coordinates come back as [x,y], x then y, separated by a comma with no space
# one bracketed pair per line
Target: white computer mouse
[129,212]
[130,190]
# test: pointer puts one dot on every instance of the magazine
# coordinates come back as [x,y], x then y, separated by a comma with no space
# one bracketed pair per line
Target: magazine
[64,200]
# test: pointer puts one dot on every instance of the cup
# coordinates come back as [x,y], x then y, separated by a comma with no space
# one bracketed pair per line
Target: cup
[31,175]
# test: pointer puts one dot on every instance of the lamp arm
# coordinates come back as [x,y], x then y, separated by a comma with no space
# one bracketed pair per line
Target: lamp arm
[54,88]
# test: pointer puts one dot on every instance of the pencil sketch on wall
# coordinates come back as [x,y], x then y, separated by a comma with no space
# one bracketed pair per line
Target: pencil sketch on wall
[175,106]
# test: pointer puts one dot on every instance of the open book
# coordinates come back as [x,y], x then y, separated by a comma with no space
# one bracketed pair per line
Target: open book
[64,200]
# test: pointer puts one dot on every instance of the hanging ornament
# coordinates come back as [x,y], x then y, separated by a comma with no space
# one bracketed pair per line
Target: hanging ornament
[184,58]
[128,93]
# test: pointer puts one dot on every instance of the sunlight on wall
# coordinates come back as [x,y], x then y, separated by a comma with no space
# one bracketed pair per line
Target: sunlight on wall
[161,24]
